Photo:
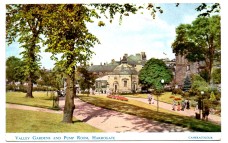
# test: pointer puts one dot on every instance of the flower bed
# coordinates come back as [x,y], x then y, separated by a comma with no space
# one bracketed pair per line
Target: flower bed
[177,98]
[117,97]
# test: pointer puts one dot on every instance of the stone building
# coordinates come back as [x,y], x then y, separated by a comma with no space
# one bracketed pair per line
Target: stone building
[122,76]
[184,68]
[124,79]
[119,76]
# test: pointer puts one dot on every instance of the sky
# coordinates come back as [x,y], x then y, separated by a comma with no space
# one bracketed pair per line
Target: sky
[137,33]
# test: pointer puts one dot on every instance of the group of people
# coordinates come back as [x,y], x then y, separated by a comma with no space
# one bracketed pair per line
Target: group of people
[205,111]
[185,104]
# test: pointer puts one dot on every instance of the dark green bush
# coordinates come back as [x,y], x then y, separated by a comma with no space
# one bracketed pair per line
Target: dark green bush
[23,88]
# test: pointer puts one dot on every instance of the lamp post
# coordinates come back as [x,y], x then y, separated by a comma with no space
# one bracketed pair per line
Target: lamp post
[200,106]
[162,82]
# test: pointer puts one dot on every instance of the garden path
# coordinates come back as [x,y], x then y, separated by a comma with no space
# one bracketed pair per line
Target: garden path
[191,112]
[109,120]
[187,112]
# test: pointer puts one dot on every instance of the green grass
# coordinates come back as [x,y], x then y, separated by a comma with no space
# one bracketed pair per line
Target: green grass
[164,97]
[141,110]
[23,121]
[40,99]
[140,104]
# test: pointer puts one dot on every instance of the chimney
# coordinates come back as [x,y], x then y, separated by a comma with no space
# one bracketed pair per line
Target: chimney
[125,55]
[143,56]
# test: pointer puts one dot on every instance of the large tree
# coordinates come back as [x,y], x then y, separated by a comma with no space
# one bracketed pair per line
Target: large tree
[200,41]
[153,72]
[25,23]
[67,34]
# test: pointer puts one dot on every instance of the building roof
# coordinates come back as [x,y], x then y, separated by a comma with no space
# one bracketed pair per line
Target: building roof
[124,69]
[101,68]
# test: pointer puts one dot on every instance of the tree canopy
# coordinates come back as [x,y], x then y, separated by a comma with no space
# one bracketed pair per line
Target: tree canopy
[200,41]
[86,79]
[153,72]
[14,69]
[25,22]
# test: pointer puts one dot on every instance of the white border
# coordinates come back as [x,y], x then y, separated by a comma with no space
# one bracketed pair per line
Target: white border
[120,136]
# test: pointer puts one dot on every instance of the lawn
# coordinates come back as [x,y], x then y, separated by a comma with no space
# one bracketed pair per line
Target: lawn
[23,121]
[140,104]
[40,99]
[164,97]
[142,110]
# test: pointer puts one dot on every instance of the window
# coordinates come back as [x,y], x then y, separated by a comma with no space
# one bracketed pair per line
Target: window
[125,83]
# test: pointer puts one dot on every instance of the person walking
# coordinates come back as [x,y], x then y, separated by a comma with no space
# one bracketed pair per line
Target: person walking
[149,98]
[174,105]
[206,113]
[188,105]
[178,106]
[182,105]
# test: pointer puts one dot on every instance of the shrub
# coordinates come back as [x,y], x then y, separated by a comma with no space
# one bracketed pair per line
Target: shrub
[23,88]
[177,91]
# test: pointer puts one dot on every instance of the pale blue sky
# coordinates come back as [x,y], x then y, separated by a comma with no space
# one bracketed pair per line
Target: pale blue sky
[137,33]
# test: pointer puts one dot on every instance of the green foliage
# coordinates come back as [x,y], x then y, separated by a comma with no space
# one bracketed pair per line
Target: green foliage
[74,39]
[205,75]
[208,9]
[187,84]
[177,91]
[200,41]
[216,75]
[199,84]
[124,10]
[153,72]
[212,96]
[14,69]
[51,78]
[23,88]
[86,80]
[25,22]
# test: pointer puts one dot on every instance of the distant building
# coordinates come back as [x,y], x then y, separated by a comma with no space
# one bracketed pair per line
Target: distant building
[119,76]
[122,76]
[184,68]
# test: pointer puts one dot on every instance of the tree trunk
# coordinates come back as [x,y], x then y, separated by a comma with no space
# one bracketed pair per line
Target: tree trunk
[69,100]
[211,56]
[30,87]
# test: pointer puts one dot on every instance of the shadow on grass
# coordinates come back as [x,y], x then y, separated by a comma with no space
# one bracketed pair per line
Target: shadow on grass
[77,121]
[183,121]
